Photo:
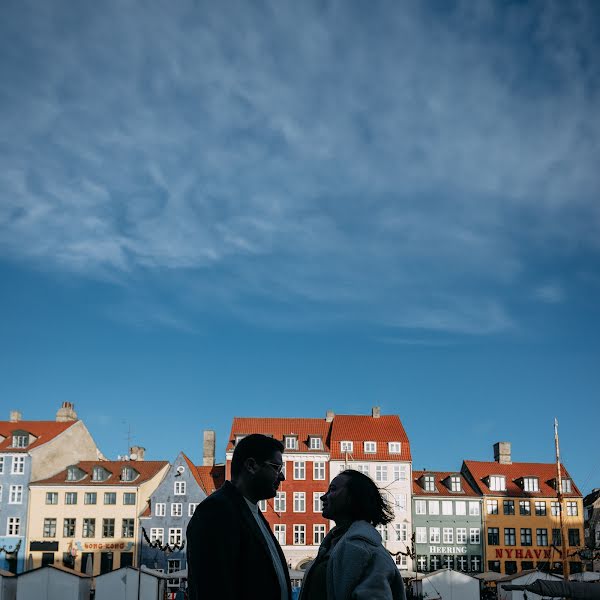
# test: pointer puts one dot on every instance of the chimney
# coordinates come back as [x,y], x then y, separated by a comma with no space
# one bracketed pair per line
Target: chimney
[66,412]
[376,412]
[329,416]
[15,416]
[137,452]
[502,453]
[208,449]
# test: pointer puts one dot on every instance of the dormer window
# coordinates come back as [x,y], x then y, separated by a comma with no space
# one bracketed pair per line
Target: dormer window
[99,474]
[128,474]
[497,483]
[429,483]
[530,484]
[455,483]
[346,446]
[291,442]
[20,440]
[394,447]
[315,443]
[370,447]
[74,473]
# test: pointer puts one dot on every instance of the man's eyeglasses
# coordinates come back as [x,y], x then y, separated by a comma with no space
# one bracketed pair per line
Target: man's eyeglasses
[276,466]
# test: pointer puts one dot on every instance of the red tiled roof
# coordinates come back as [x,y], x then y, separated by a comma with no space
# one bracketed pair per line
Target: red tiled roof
[361,428]
[211,478]
[146,468]
[441,484]
[545,472]
[44,431]
[280,427]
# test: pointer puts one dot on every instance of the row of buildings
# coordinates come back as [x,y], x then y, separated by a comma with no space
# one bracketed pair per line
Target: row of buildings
[62,501]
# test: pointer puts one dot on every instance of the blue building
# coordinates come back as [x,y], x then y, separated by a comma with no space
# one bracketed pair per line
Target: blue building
[171,507]
[31,450]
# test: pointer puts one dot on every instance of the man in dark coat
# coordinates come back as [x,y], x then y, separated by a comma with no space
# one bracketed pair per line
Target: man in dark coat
[231,552]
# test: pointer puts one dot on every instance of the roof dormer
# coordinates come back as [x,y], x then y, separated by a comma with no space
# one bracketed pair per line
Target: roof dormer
[315,442]
[128,473]
[21,438]
[100,473]
[290,441]
[427,482]
[454,483]
[75,473]
[529,483]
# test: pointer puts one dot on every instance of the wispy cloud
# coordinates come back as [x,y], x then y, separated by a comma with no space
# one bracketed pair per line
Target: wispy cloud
[293,164]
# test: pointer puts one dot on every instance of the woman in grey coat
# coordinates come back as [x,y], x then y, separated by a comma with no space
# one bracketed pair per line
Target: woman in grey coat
[352,564]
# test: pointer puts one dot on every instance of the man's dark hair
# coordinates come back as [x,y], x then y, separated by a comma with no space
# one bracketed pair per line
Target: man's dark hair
[367,503]
[257,446]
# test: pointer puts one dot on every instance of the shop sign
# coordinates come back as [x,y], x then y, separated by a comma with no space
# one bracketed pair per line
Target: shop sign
[447,549]
[520,553]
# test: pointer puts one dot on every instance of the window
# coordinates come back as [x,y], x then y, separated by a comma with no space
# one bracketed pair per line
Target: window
[318,534]
[474,535]
[574,537]
[497,483]
[434,535]
[18,465]
[566,486]
[157,534]
[493,536]
[299,502]
[402,562]
[461,535]
[429,483]
[49,528]
[176,509]
[370,447]
[160,509]
[90,498]
[420,507]
[421,535]
[383,532]
[400,473]
[530,484]
[448,562]
[346,446]
[179,488]
[401,531]
[15,495]
[0,493]
[555,508]
[542,537]
[364,469]
[299,535]
[127,528]
[556,537]
[422,563]
[110,497]
[69,527]
[108,528]
[381,473]
[175,536]
[89,528]
[400,502]
[434,507]
[572,509]
[13,526]
[173,565]
[494,565]
[262,505]
[279,502]
[446,507]
[435,562]
[509,507]
[394,447]
[20,441]
[462,563]
[191,508]
[317,503]
[524,507]
[474,509]
[1,465]
[510,538]
[73,473]
[540,508]
[526,539]
[318,471]
[280,534]
[510,566]
[291,442]
[128,474]
[70,497]
[448,535]
[455,483]
[492,507]
[299,469]
[460,507]
[315,443]
[99,474]
[129,498]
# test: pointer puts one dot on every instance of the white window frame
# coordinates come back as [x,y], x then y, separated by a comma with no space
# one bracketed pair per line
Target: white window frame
[176,509]
[1,465]
[128,496]
[433,507]
[572,509]
[15,494]
[316,443]
[70,496]
[474,535]
[279,531]
[299,470]
[13,527]
[455,483]
[317,502]
[299,502]
[434,535]
[179,488]
[160,509]
[299,534]
[394,447]
[420,535]
[383,532]
[192,508]
[461,535]
[460,508]
[401,531]
[20,441]
[400,473]
[531,484]
[319,533]
[175,536]
[474,509]
[370,447]
[420,507]
[279,502]
[400,502]
[447,507]
[567,486]
[381,473]
[291,442]
[346,446]
[17,465]
[157,534]
[262,505]
[497,483]
[555,508]
[448,535]
[319,471]
[429,483]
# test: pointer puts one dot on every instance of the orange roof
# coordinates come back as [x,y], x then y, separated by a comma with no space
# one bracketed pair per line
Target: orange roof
[442,484]
[43,431]
[146,468]
[362,428]
[513,472]
[303,428]
[211,478]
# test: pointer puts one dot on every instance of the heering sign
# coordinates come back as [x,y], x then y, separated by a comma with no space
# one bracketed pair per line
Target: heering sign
[447,549]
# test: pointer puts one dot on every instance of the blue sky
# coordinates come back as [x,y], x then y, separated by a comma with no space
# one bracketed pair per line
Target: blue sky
[272,209]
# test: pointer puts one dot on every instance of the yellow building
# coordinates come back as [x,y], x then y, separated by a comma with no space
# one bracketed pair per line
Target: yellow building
[90,511]
[521,514]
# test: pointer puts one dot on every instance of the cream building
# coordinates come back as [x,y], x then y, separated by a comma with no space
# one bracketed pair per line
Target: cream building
[90,511]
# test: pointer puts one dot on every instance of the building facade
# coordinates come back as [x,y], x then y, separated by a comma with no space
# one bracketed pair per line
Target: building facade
[521,513]
[31,450]
[591,507]
[89,513]
[447,523]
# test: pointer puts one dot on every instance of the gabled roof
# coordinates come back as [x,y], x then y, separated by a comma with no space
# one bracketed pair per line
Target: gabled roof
[441,478]
[278,428]
[545,472]
[361,428]
[146,468]
[211,478]
[44,431]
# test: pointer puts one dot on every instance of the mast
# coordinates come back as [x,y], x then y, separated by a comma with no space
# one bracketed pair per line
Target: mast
[559,497]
